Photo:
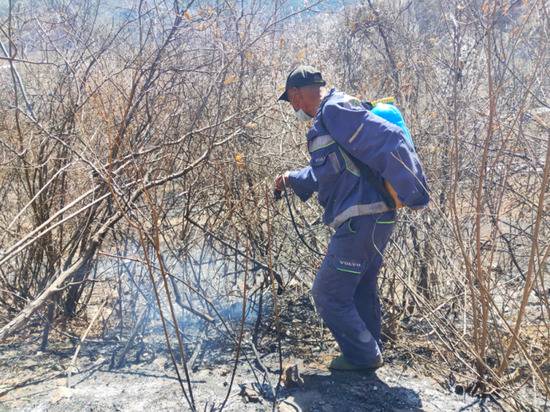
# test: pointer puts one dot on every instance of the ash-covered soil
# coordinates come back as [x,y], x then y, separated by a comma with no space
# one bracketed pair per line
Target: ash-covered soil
[31,380]
[34,381]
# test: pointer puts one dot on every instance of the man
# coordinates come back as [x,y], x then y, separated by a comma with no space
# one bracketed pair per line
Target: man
[352,151]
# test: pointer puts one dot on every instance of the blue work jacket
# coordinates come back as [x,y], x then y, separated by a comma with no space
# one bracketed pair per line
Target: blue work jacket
[343,135]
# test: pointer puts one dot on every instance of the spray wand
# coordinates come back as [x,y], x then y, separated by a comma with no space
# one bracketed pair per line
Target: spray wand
[277,195]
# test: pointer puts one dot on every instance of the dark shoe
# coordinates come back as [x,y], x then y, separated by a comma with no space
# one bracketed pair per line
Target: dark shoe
[342,364]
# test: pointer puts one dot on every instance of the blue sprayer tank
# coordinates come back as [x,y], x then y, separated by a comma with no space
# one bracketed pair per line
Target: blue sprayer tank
[392,114]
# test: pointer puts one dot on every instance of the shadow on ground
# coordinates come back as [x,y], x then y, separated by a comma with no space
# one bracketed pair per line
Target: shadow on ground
[345,391]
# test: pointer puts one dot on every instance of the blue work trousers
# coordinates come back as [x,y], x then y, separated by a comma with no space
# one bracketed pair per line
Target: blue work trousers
[345,288]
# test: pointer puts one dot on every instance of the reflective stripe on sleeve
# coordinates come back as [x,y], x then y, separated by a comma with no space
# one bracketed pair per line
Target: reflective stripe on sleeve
[356,133]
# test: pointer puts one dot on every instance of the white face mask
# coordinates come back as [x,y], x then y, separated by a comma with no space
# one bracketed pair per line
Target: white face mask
[302,116]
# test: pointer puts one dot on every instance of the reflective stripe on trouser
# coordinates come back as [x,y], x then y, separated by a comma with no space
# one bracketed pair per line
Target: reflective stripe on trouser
[345,290]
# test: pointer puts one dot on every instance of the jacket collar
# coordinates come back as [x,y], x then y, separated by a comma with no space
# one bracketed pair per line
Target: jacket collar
[325,99]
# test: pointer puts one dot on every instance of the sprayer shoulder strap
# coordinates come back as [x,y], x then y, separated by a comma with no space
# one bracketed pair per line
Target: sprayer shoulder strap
[374,178]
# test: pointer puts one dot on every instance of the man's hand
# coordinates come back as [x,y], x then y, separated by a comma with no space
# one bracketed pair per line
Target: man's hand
[281,182]
[279,185]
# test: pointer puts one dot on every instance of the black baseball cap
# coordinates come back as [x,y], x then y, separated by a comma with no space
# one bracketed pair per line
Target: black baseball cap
[302,76]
